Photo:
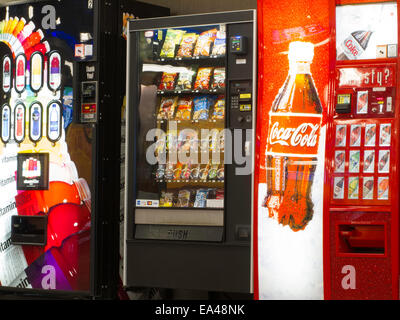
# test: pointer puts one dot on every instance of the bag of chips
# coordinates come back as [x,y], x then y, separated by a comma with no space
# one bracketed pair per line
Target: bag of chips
[172,140]
[204,42]
[187,140]
[167,108]
[201,198]
[186,172]
[184,110]
[218,79]
[160,172]
[178,171]
[212,174]
[172,39]
[184,198]
[219,109]
[219,48]
[167,81]
[185,79]
[202,107]
[203,79]
[169,171]
[187,45]
[167,199]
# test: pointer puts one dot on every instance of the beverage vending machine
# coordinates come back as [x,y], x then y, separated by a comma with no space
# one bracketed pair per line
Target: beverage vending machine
[361,207]
[60,99]
[191,91]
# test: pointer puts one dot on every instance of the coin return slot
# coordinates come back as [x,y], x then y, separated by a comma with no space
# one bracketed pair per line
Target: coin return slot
[361,239]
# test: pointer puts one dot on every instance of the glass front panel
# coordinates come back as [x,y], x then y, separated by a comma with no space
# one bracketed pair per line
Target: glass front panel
[181,125]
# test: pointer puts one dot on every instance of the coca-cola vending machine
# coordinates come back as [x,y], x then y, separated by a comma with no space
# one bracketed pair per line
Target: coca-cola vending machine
[361,203]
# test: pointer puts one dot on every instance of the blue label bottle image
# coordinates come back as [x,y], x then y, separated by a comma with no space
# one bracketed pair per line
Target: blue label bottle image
[36,122]
[54,121]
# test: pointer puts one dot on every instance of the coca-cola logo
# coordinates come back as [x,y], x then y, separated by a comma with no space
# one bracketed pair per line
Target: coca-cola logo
[305,135]
[352,47]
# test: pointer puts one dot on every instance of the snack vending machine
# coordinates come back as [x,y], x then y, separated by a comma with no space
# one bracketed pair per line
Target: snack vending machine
[189,156]
[60,131]
[361,218]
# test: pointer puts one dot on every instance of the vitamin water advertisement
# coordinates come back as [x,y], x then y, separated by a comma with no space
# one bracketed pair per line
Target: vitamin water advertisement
[293,99]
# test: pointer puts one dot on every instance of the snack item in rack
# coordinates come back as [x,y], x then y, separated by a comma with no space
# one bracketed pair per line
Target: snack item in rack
[201,198]
[160,145]
[368,187]
[218,79]
[187,45]
[219,48]
[169,171]
[195,173]
[185,79]
[203,44]
[221,173]
[167,108]
[186,172]
[178,171]
[184,110]
[160,172]
[184,198]
[172,140]
[201,107]
[212,174]
[204,172]
[167,81]
[172,39]
[203,79]
[167,199]
[187,140]
[219,109]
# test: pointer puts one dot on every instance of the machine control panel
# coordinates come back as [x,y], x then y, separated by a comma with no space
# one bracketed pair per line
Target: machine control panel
[89,97]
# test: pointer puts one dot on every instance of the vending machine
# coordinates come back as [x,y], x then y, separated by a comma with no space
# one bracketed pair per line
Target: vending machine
[60,99]
[191,89]
[361,207]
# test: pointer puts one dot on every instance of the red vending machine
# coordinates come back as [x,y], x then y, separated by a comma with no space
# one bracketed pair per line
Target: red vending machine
[361,225]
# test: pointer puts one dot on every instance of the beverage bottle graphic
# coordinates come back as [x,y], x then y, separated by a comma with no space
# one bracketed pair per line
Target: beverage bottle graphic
[36,72]
[354,45]
[20,73]
[36,123]
[54,125]
[55,71]
[5,134]
[19,132]
[292,146]
[6,74]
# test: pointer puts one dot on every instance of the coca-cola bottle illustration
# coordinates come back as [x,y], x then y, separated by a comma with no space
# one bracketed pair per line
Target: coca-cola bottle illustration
[354,45]
[292,145]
